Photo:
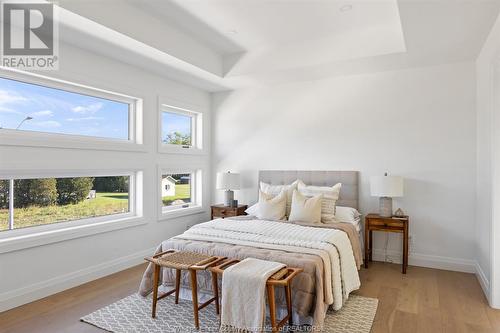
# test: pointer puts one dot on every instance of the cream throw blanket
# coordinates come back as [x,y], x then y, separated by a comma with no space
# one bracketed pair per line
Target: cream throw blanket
[332,246]
[243,295]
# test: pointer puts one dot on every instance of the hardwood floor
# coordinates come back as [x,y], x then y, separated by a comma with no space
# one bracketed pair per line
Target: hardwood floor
[424,300]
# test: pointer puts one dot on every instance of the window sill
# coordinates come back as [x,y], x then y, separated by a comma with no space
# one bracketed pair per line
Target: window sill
[29,240]
[172,149]
[168,215]
[53,140]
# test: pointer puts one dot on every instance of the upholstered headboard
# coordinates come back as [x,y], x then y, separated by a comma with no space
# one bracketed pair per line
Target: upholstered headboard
[349,180]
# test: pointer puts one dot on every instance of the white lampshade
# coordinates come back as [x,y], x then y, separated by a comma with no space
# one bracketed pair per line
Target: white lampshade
[386,186]
[228,181]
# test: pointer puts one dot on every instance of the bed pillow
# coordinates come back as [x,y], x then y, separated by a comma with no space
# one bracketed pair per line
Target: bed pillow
[305,209]
[330,196]
[348,215]
[253,209]
[276,189]
[271,207]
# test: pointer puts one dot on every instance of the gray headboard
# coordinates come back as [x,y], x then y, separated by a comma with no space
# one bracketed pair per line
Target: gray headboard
[349,180]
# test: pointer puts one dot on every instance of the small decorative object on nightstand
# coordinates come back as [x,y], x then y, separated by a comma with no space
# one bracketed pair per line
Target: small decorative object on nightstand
[387,224]
[222,211]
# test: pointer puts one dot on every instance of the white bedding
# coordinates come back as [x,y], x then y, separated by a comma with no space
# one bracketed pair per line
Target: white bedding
[332,246]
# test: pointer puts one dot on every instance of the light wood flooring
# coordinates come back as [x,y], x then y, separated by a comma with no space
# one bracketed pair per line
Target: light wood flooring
[424,300]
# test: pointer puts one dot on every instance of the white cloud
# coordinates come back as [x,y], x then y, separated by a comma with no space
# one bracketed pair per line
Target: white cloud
[9,110]
[48,124]
[43,113]
[84,119]
[9,97]
[88,109]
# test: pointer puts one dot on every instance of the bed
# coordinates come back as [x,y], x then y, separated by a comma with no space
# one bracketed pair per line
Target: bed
[330,255]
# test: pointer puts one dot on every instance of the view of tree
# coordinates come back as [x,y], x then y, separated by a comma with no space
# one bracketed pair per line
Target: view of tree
[4,194]
[73,190]
[40,192]
[177,138]
[111,184]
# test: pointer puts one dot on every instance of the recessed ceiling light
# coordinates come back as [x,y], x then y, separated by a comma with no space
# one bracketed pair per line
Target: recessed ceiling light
[233,32]
[345,8]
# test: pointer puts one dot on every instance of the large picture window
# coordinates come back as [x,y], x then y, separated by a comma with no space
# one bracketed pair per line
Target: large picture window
[32,107]
[38,111]
[41,201]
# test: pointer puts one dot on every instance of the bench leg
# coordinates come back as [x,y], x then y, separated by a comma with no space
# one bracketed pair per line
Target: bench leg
[194,289]
[215,287]
[177,284]
[156,280]
[288,292]
[272,307]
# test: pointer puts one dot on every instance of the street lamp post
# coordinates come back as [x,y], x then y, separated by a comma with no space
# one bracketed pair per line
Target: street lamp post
[22,121]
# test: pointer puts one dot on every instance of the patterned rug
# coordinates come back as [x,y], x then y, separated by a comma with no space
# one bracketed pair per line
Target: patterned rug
[132,314]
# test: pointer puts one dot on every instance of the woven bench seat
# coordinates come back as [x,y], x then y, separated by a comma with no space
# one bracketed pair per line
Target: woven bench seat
[192,262]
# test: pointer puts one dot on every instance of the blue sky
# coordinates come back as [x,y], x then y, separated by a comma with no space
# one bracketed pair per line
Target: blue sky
[59,111]
[173,122]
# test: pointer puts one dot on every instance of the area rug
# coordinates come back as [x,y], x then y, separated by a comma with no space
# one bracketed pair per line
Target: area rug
[132,314]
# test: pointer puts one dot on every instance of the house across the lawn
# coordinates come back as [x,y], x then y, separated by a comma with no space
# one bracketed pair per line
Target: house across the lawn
[168,186]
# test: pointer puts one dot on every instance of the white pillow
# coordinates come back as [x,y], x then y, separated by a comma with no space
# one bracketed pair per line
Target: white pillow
[276,189]
[330,196]
[305,209]
[253,209]
[271,207]
[348,215]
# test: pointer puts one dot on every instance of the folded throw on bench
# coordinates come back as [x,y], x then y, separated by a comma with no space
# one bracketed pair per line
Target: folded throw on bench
[243,294]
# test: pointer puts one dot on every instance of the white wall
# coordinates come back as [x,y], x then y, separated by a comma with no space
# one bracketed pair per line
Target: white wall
[39,271]
[416,123]
[488,166]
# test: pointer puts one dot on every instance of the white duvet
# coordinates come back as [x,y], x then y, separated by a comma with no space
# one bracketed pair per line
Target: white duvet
[333,246]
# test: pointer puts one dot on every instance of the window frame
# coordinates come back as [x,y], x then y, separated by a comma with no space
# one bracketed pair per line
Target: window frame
[196,204]
[12,137]
[197,128]
[15,239]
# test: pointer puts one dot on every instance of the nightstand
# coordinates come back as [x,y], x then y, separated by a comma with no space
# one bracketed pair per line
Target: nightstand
[224,211]
[375,222]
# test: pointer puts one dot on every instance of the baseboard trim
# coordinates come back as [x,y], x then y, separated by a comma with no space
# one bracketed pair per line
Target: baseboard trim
[426,260]
[484,282]
[33,292]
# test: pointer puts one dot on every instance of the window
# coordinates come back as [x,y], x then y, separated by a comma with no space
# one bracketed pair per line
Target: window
[43,108]
[180,190]
[41,201]
[180,128]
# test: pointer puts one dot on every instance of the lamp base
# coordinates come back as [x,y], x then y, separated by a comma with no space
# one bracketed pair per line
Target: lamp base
[385,207]
[228,198]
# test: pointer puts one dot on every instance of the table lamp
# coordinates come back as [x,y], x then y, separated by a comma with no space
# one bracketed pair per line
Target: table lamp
[228,181]
[386,187]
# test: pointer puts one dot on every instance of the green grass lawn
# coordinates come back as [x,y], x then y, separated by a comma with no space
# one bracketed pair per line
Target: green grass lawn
[182,192]
[104,204]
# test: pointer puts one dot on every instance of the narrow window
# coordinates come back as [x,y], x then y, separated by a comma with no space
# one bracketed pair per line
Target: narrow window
[180,128]
[178,191]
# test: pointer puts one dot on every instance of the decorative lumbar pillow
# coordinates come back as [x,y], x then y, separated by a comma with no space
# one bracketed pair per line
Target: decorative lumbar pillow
[305,209]
[330,196]
[276,189]
[272,207]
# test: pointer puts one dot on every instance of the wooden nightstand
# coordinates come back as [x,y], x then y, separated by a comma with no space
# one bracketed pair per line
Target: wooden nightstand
[224,211]
[387,224]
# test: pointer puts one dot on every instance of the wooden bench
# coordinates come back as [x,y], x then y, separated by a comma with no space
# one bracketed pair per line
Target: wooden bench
[183,260]
[282,278]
